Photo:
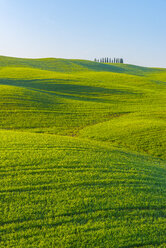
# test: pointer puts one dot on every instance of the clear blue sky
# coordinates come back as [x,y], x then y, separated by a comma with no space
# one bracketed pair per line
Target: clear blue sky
[84,29]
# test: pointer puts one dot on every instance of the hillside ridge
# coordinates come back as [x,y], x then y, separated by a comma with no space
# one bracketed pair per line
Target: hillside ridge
[75,65]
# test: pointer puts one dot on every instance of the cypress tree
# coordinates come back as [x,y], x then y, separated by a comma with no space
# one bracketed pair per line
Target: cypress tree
[121,61]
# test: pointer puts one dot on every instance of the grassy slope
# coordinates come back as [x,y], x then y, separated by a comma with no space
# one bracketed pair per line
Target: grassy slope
[90,188]
[65,192]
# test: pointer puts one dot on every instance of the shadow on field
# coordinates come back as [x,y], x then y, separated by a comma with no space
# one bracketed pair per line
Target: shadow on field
[64,88]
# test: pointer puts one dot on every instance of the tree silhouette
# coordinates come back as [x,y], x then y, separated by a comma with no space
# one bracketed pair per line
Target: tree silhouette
[109,60]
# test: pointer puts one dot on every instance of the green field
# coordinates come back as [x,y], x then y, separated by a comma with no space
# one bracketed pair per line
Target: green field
[82,154]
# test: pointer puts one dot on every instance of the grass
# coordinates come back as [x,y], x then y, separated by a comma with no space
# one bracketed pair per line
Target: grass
[82,151]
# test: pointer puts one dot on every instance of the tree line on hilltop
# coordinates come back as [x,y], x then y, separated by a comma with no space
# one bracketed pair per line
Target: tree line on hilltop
[109,60]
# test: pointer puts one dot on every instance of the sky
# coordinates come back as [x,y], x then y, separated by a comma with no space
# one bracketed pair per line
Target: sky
[85,29]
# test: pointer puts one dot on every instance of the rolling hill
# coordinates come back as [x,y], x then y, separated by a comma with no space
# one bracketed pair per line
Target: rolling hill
[82,151]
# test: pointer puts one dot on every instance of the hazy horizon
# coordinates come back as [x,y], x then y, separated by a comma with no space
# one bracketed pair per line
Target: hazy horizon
[65,29]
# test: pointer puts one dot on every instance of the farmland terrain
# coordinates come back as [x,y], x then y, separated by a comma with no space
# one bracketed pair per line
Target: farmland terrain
[82,154]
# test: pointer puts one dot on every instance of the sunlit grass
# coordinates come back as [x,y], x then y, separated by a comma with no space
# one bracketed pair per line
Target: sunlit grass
[59,191]
[82,154]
